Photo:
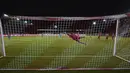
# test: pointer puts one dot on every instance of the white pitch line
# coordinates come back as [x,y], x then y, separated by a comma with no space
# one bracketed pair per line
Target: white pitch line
[61,56]
[69,69]
[1,56]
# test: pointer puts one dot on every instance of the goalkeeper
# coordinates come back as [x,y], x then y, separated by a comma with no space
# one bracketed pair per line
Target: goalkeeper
[76,38]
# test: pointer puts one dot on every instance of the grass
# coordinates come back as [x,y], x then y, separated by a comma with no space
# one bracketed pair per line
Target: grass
[54,52]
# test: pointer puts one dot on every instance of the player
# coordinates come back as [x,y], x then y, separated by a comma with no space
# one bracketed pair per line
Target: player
[99,35]
[9,36]
[90,36]
[113,36]
[76,37]
[42,34]
[60,35]
[107,35]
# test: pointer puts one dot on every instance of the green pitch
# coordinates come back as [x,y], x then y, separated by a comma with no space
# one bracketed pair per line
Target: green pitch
[54,52]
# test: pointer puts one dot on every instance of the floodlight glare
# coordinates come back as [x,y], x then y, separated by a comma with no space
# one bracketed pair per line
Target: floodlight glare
[5,15]
[94,23]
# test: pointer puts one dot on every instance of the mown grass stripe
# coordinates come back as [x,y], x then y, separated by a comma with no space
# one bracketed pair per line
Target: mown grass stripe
[21,62]
[73,50]
[53,50]
[98,61]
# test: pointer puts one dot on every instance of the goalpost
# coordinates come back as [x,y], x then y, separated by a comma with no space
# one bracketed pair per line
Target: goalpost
[3,53]
[115,40]
[34,35]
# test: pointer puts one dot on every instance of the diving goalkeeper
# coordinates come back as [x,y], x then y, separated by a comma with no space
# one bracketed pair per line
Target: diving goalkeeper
[76,38]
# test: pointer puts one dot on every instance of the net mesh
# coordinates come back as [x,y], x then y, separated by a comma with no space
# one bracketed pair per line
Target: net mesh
[123,40]
[43,42]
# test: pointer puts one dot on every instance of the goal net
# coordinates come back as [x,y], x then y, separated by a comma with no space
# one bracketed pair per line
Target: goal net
[58,43]
[123,39]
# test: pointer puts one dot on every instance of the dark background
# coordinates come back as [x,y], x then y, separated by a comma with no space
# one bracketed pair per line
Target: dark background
[86,8]
[64,7]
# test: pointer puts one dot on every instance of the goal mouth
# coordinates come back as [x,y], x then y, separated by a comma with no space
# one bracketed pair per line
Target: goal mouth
[65,43]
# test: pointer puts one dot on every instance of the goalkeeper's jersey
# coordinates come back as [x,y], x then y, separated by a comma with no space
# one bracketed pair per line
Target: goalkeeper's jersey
[74,36]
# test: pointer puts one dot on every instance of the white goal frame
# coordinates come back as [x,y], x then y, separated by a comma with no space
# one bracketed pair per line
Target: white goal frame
[2,40]
[115,40]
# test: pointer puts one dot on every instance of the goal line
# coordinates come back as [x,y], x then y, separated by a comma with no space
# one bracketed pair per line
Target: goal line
[62,56]
[58,69]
